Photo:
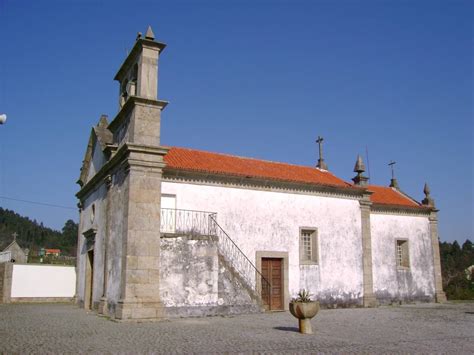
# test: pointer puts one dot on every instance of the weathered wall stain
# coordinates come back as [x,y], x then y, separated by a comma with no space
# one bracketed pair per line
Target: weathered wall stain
[391,283]
[194,278]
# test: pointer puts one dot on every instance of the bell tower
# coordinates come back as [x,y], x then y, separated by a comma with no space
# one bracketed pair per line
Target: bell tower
[138,75]
[134,195]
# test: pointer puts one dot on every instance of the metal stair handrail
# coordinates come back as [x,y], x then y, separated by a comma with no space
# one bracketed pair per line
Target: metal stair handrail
[201,223]
[241,263]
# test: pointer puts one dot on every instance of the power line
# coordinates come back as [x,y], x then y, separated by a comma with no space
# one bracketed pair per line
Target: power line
[37,203]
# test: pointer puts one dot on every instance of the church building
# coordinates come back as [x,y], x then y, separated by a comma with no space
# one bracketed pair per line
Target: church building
[171,231]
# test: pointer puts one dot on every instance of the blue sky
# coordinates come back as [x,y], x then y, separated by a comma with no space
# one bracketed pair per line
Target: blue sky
[253,78]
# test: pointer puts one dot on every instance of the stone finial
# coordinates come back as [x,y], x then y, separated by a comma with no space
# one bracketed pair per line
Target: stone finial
[149,34]
[428,200]
[139,35]
[103,121]
[359,165]
[321,164]
[393,181]
[426,190]
[359,168]
[14,235]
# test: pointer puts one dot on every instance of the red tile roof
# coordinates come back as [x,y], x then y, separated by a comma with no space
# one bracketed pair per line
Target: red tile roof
[223,164]
[197,160]
[388,196]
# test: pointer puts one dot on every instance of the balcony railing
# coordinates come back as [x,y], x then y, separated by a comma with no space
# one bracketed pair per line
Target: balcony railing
[186,222]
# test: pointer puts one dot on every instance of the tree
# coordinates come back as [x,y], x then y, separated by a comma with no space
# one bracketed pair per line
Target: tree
[454,263]
[70,231]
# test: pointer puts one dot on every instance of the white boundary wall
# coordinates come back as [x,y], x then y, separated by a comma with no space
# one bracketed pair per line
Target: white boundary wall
[43,281]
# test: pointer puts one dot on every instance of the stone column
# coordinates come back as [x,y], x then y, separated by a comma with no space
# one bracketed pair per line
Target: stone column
[140,282]
[369,299]
[440,296]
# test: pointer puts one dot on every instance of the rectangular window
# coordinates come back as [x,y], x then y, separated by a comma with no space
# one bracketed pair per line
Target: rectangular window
[403,260]
[308,246]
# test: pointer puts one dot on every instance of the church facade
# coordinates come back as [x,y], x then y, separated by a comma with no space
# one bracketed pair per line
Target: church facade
[169,231]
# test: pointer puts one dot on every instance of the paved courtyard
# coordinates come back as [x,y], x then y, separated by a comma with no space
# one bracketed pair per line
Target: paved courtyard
[63,328]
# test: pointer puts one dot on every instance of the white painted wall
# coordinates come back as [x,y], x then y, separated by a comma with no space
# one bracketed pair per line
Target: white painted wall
[391,282]
[96,221]
[270,221]
[43,281]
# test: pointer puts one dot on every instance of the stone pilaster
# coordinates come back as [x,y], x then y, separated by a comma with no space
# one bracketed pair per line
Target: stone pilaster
[369,299]
[103,300]
[140,282]
[440,296]
[6,271]
[79,236]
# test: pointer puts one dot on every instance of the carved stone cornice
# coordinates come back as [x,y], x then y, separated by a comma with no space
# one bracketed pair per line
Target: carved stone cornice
[131,102]
[136,50]
[400,210]
[205,178]
[125,155]
[433,218]
[90,237]
[365,202]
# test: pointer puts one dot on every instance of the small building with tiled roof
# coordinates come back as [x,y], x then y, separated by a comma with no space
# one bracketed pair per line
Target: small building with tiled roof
[51,252]
[172,231]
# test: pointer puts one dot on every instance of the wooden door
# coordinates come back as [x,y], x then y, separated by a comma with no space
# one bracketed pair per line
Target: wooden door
[272,270]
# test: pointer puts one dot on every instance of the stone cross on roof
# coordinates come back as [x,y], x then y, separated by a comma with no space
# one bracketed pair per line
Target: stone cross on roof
[321,164]
[14,235]
[393,181]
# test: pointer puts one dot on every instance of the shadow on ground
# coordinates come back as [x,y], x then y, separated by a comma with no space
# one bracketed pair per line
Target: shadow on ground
[287,329]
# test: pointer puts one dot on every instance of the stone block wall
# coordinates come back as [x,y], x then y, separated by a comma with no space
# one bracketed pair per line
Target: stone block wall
[6,270]
[197,281]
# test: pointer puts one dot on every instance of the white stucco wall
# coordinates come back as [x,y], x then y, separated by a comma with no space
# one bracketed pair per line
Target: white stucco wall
[270,221]
[43,281]
[92,220]
[390,281]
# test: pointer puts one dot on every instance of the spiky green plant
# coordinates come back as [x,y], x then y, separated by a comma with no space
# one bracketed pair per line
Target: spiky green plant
[303,296]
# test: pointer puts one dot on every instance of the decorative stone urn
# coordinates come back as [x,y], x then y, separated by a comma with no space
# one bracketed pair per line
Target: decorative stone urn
[304,311]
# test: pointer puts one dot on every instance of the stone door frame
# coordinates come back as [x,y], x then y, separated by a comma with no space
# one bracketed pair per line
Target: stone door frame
[89,235]
[259,255]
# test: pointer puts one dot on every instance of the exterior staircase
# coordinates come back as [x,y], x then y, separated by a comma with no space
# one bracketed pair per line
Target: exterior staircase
[202,224]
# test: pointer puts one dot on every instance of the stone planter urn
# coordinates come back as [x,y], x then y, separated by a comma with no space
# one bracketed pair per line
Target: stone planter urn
[304,309]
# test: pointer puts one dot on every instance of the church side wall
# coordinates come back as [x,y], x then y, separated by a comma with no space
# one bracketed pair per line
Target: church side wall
[270,222]
[391,282]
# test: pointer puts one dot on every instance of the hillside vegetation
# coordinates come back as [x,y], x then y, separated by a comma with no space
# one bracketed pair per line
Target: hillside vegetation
[458,282]
[34,235]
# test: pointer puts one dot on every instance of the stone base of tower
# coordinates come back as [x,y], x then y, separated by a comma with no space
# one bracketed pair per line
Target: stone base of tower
[131,311]
[440,297]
